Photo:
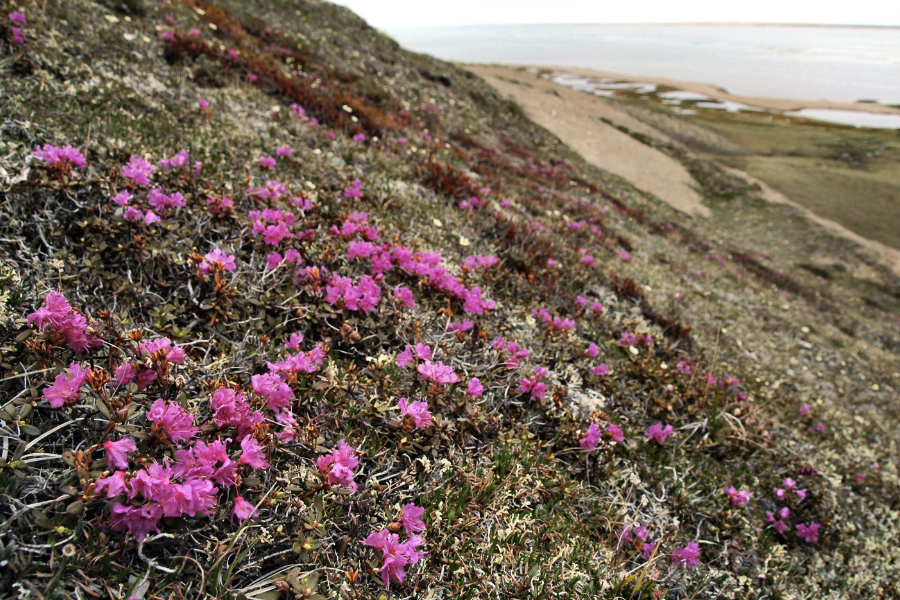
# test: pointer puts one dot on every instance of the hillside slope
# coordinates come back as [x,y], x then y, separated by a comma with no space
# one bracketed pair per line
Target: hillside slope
[291,284]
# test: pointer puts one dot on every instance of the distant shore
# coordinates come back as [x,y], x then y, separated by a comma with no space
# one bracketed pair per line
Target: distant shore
[713,91]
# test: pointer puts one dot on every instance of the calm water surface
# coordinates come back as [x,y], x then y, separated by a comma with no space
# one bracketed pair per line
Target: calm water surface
[808,63]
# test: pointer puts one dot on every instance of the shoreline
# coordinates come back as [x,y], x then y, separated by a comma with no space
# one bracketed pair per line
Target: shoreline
[707,89]
[577,119]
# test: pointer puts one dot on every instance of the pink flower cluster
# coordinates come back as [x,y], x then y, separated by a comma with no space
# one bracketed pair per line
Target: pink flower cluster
[272,224]
[658,433]
[163,202]
[738,498]
[186,487]
[516,354]
[532,385]
[176,162]
[299,112]
[356,222]
[355,189]
[217,260]
[138,170]
[417,411]
[64,389]
[397,556]
[411,355]
[271,191]
[274,259]
[480,262]
[364,296]
[57,315]
[338,466]
[437,372]
[553,322]
[56,157]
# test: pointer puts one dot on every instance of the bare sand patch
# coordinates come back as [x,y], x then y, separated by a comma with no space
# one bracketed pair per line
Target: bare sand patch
[575,117]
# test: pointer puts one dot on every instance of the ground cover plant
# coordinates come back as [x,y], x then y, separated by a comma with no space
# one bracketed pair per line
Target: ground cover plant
[289,312]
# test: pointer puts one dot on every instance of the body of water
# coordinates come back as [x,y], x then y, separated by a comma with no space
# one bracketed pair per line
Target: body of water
[807,63]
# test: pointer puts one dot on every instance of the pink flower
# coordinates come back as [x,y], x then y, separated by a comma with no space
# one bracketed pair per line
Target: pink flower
[738,498]
[18,36]
[177,423]
[341,461]
[217,259]
[437,372]
[203,103]
[418,411]
[54,156]
[359,137]
[273,260]
[114,485]
[779,493]
[395,556]
[139,522]
[17,18]
[593,351]
[294,341]
[270,386]
[686,557]
[174,353]
[615,432]
[162,202]
[804,410]
[138,170]
[122,198]
[623,254]
[412,518]
[684,367]
[329,134]
[463,325]
[266,162]
[658,433]
[780,526]
[176,162]
[789,483]
[194,32]
[474,388]
[252,77]
[801,494]
[61,317]
[283,151]
[252,453]
[809,533]
[589,442]
[649,547]
[117,452]
[405,296]
[132,214]
[243,510]
[65,387]
[125,374]
[600,370]
[151,217]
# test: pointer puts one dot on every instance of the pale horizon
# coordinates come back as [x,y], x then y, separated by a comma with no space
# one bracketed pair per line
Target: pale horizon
[396,14]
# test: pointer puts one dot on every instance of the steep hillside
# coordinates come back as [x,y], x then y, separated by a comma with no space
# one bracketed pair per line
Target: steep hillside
[289,312]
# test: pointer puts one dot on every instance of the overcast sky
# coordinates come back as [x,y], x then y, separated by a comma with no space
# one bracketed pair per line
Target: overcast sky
[391,14]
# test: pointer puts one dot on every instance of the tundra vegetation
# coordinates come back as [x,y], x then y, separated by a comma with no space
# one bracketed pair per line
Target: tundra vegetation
[289,312]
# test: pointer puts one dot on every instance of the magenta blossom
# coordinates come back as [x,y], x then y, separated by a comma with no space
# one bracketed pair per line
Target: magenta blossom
[217,260]
[738,498]
[589,442]
[54,156]
[615,432]
[282,151]
[58,315]
[65,387]
[658,433]
[600,370]
[138,170]
[243,510]
[176,422]
[339,465]
[253,453]
[686,557]
[437,372]
[474,388]
[17,18]
[593,351]
[418,411]
[138,521]
[404,296]
[809,533]
[117,452]
[266,162]
[412,518]
[395,556]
